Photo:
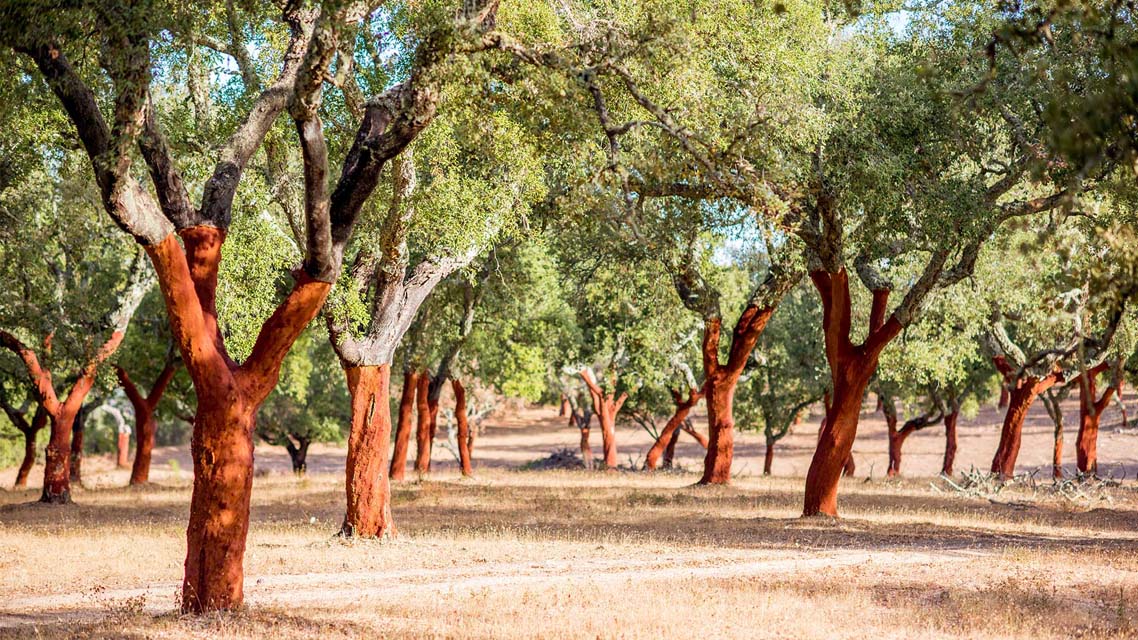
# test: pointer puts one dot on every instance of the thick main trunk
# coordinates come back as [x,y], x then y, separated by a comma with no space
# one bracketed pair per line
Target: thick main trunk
[222,449]
[1019,402]
[423,427]
[835,448]
[403,430]
[949,442]
[145,429]
[369,492]
[720,393]
[607,417]
[465,437]
[1090,412]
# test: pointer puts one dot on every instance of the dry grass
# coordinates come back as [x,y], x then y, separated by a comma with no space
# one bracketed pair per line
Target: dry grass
[561,554]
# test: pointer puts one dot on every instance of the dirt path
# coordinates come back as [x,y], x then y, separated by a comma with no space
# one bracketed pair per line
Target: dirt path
[329,589]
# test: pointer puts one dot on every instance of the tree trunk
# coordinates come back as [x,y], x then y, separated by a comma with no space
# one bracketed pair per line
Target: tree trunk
[586,450]
[39,420]
[75,455]
[564,410]
[889,408]
[298,453]
[369,491]
[423,428]
[465,438]
[768,457]
[851,367]
[679,415]
[605,405]
[1057,454]
[403,431]
[670,450]
[950,440]
[145,426]
[1020,398]
[1090,412]
[1005,396]
[123,450]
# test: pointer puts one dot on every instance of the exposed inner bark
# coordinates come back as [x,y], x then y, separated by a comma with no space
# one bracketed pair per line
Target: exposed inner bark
[671,428]
[897,436]
[1090,412]
[145,425]
[423,426]
[368,489]
[465,436]
[768,455]
[403,429]
[605,405]
[851,367]
[950,437]
[1023,390]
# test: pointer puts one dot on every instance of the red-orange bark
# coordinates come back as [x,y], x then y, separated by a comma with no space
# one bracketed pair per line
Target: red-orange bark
[719,387]
[682,408]
[950,441]
[403,429]
[851,367]
[1023,391]
[768,457]
[1090,412]
[368,489]
[1005,396]
[39,421]
[423,427]
[123,450]
[61,414]
[145,425]
[228,397]
[465,437]
[670,451]
[606,406]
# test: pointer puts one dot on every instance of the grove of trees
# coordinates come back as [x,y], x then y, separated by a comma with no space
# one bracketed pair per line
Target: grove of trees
[233,220]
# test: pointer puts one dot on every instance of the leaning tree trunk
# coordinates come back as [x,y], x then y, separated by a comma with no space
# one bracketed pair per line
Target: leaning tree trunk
[75,455]
[851,367]
[670,451]
[423,428]
[672,427]
[30,431]
[403,431]
[950,440]
[465,438]
[1090,412]
[368,488]
[1020,398]
[889,408]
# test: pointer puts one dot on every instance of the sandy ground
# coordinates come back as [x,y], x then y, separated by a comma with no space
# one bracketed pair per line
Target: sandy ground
[566,554]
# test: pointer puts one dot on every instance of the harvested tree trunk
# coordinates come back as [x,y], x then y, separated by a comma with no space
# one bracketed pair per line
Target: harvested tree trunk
[1090,412]
[1051,401]
[670,451]
[123,450]
[29,429]
[605,406]
[423,427]
[1024,390]
[768,456]
[403,432]
[145,425]
[368,489]
[851,367]
[720,381]
[465,437]
[950,419]
[679,415]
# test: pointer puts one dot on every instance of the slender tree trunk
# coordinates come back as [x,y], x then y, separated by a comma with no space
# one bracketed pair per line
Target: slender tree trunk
[465,438]
[586,450]
[145,426]
[670,450]
[851,367]
[369,491]
[423,428]
[1057,454]
[768,457]
[75,461]
[606,415]
[679,415]
[403,432]
[889,408]
[123,450]
[39,421]
[950,440]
